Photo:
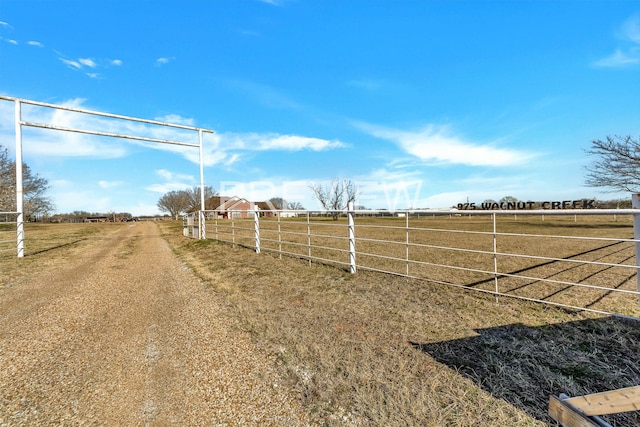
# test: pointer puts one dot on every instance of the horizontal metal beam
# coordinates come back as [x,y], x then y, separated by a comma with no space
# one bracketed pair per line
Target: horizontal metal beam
[98,113]
[113,135]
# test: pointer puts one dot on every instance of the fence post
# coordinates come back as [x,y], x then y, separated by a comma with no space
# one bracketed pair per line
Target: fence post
[202,225]
[352,238]
[256,226]
[279,235]
[19,190]
[309,237]
[406,221]
[635,204]
[495,254]
[233,229]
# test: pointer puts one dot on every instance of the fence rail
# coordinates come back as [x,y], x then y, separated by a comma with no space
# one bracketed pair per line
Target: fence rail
[576,259]
[19,123]
[8,229]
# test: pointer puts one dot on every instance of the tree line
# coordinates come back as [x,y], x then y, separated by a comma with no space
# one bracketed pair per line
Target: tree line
[178,202]
[616,167]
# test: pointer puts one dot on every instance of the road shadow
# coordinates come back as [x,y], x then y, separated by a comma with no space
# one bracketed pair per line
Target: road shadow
[524,365]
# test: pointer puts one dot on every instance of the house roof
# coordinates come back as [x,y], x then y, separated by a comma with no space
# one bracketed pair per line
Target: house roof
[228,203]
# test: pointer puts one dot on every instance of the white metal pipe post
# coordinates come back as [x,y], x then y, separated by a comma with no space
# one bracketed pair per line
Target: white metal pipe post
[495,254]
[635,204]
[256,226]
[406,228]
[201,222]
[352,238]
[19,189]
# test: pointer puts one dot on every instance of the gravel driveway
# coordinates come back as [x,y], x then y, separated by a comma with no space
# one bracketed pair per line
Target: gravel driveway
[124,334]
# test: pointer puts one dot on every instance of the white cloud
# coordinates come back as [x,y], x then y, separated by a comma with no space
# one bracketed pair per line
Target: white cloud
[35,43]
[5,25]
[172,182]
[629,52]
[444,200]
[630,29]
[228,148]
[12,41]
[224,149]
[439,145]
[176,119]
[295,143]
[165,187]
[110,184]
[619,59]
[88,62]
[171,176]
[71,64]
[49,143]
[163,60]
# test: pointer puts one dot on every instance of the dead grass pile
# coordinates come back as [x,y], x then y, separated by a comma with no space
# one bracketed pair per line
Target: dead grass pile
[375,349]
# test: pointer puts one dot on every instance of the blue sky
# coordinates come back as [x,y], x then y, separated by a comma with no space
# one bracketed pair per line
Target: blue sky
[423,104]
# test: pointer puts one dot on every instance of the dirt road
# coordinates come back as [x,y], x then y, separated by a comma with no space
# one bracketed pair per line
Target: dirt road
[124,334]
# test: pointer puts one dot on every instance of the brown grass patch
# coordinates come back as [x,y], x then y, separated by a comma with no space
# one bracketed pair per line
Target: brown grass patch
[47,245]
[376,349]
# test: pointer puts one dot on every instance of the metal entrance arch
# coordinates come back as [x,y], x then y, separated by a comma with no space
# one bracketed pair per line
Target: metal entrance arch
[19,123]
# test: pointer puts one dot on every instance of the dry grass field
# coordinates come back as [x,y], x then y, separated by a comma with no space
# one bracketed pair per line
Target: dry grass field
[538,258]
[379,349]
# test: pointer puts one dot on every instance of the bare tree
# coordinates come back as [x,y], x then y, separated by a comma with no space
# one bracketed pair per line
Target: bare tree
[183,201]
[277,203]
[193,195]
[618,164]
[174,203]
[509,199]
[336,195]
[34,188]
[281,204]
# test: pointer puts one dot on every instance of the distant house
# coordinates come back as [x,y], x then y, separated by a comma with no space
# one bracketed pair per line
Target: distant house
[233,207]
[266,209]
[238,207]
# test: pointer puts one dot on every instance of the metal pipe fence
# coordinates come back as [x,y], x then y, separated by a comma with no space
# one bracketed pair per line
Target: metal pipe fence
[576,259]
[19,123]
[8,229]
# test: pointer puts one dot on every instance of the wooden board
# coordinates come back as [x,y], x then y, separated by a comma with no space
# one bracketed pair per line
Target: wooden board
[608,402]
[566,415]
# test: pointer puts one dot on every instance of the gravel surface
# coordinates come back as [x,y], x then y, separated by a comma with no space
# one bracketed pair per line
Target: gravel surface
[124,334]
